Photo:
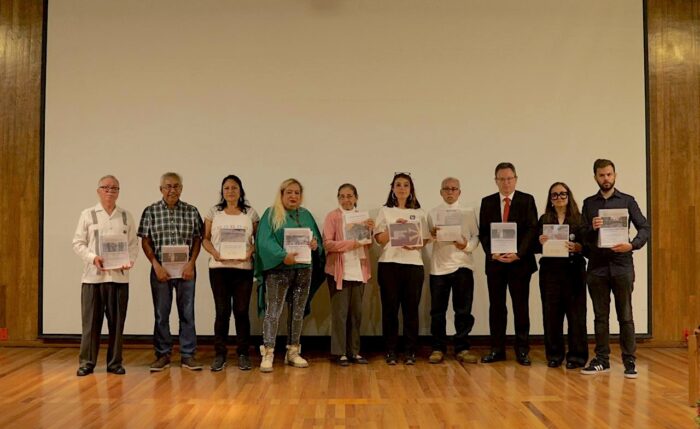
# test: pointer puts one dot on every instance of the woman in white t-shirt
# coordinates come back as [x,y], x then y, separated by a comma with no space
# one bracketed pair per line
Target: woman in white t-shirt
[228,237]
[400,269]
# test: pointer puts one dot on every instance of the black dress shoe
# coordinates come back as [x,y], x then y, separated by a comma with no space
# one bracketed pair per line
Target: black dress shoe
[554,363]
[493,357]
[119,370]
[574,365]
[342,360]
[523,359]
[84,370]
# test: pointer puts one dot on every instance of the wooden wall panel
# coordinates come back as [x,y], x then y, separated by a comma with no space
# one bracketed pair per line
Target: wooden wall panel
[21,32]
[674,95]
[674,101]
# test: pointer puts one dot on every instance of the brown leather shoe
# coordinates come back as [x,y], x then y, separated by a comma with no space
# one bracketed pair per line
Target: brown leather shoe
[160,364]
[436,356]
[466,357]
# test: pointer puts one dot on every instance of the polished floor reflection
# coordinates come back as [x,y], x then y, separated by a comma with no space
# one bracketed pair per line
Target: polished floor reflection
[38,388]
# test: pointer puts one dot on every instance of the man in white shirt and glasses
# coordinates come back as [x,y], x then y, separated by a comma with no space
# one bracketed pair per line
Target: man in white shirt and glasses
[451,270]
[104,229]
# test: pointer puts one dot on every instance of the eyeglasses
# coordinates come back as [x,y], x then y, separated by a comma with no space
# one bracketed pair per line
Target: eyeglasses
[450,189]
[506,179]
[175,187]
[405,173]
[110,188]
[559,195]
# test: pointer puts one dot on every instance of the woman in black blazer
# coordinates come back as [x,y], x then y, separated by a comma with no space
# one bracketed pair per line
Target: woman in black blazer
[563,283]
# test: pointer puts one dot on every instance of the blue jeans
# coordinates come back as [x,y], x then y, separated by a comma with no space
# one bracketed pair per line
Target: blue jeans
[162,293]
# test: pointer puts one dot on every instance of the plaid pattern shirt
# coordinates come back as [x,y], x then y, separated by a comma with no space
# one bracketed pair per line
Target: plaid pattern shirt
[165,227]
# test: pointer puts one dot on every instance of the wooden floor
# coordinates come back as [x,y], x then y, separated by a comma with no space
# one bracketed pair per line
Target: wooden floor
[38,388]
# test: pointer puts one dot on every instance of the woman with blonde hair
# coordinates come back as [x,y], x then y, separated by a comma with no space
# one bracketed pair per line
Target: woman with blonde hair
[280,275]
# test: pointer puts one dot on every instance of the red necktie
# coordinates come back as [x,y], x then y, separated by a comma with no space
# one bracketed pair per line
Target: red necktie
[506,208]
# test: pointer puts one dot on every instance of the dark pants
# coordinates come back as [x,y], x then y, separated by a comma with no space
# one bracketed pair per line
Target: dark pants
[400,285]
[346,316]
[516,279]
[96,301]
[563,293]
[162,293]
[461,283]
[231,288]
[621,287]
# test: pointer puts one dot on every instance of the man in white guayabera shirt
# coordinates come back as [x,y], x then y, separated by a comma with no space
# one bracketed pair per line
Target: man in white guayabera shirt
[105,236]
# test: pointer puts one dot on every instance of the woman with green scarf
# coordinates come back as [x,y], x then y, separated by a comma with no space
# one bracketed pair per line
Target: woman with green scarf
[284,269]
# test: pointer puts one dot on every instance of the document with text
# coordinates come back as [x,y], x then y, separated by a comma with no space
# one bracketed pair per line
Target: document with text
[615,228]
[297,241]
[233,243]
[114,251]
[556,245]
[504,237]
[174,260]
[355,227]
[449,225]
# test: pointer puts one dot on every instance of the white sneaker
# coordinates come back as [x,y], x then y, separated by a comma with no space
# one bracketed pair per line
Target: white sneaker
[268,356]
[293,357]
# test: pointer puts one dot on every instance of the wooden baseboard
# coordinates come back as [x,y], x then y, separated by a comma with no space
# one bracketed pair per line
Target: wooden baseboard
[371,340]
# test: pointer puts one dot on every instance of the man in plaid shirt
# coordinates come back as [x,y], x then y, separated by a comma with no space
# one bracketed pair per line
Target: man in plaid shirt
[172,222]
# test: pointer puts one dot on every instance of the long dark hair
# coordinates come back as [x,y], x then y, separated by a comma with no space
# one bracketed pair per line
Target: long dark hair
[242,204]
[573,215]
[411,201]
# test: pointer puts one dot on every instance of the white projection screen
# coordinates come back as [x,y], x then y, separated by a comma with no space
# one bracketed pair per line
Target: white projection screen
[331,92]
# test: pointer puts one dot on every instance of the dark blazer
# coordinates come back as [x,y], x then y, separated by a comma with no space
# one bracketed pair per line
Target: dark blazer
[523,211]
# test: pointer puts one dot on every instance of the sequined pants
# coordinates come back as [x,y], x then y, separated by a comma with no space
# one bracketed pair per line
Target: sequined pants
[291,285]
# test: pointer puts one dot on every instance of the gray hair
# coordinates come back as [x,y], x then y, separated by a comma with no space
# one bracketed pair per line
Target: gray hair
[170,175]
[108,176]
[450,179]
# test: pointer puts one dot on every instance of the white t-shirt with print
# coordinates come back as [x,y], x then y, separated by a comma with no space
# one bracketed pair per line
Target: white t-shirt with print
[220,220]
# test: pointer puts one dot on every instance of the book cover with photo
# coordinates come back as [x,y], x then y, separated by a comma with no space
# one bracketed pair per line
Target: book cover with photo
[355,227]
[405,234]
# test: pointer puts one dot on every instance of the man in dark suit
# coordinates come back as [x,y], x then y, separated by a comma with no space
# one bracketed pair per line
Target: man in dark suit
[510,271]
